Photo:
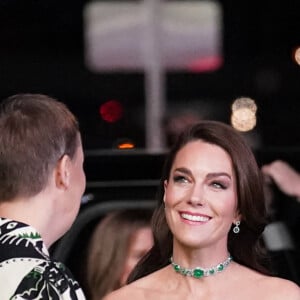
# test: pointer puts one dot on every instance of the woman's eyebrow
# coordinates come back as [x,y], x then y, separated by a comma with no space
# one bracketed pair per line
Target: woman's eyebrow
[208,176]
[183,170]
[218,174]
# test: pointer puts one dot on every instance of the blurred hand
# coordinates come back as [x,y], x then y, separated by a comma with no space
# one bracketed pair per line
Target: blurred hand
[284,176]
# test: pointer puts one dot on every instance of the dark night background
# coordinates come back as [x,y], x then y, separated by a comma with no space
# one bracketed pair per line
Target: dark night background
[42,50]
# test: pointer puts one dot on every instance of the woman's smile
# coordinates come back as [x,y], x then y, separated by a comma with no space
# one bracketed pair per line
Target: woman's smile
[194,219]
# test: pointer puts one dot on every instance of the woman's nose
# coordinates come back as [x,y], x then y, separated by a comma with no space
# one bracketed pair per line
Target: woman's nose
[197,196]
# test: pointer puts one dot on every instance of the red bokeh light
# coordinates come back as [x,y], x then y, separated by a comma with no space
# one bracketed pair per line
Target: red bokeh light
[111,111]
[206,64]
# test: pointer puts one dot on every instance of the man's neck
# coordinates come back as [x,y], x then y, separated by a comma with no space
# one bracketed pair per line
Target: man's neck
[28,211]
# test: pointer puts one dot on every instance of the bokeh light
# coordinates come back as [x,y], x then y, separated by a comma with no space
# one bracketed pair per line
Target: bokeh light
[297,55]
[124,144]
[243,116]
[111,111]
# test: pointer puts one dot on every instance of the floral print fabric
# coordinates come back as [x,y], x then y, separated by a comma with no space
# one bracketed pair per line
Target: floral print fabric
[26,270]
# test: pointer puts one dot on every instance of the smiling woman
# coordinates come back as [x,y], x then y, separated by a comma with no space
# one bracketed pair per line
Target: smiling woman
[208,224]
[200,197]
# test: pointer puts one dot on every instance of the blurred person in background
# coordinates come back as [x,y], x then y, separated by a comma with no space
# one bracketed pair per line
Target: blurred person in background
[174,124]
[286,178]
[282,190]
[117,243]
[41,185]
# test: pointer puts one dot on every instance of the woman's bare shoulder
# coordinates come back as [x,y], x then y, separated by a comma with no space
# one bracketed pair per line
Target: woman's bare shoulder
[126,292]
[282,288]
[139,289]
[275,288]
[266,286]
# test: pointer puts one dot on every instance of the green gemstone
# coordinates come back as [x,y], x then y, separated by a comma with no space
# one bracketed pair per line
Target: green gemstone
[220,267]
[177,268]
[211,271]
[198,273]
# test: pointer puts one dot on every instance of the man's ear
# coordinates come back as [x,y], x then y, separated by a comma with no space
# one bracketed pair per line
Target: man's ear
[62,172]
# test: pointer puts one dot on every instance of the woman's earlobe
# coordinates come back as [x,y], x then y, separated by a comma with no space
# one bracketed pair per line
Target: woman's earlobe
[165,184]
[238,216]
